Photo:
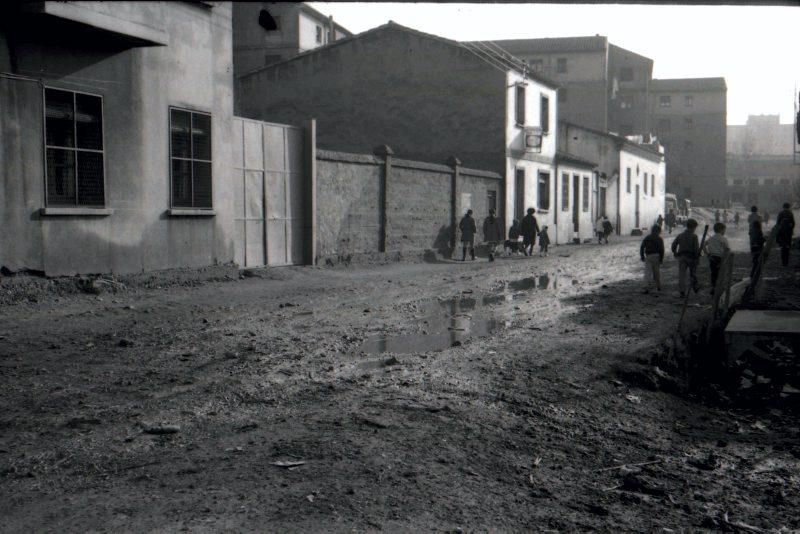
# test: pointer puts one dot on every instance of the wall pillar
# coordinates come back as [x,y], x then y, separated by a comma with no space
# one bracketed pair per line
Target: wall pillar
[455,163]
[386,152]
[310,204]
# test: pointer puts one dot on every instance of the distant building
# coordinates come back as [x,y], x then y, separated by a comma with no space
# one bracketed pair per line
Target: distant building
[761,170]
[689,117]
[602,86]
[427,97]
[115,119]
[268,32]
[631,175]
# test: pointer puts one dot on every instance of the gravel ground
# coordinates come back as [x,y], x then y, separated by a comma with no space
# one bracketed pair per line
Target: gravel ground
[516,395]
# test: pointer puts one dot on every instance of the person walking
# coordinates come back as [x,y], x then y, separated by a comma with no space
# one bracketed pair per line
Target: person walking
[754,216]
[670,220]
[686,248]
[785,224]
[717,216]
[652,253]
[468,230]
[725,217]
[544,241]
[512,244]
[607,228]
[736,219]
[598,229]
[756,245]
[530,228]
[716,248]
[660,222]
[766,219]
[492,233]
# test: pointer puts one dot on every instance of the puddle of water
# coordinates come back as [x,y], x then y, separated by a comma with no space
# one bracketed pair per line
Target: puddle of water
[448,322]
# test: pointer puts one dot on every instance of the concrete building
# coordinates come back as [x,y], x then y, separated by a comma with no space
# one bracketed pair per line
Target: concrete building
[761,169]
[267,32]
[690,118]
[114,119]
[629,175]
[440,99]
[602,86]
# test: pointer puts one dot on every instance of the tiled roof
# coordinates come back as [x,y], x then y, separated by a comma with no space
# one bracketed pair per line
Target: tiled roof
[689,84]
[391,25]
[554,44]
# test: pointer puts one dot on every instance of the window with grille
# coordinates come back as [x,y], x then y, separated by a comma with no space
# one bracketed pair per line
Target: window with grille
[585,193]
[544,190]
[565,192]
[74,155]
[665,101]
[190,154]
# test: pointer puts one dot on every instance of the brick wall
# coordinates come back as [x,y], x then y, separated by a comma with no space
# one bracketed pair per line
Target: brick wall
[417,215]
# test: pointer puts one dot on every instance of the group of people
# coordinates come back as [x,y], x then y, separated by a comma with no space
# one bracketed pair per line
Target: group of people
[687,249]
[521,236]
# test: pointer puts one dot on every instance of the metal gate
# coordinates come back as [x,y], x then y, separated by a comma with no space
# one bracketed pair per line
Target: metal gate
[269,193]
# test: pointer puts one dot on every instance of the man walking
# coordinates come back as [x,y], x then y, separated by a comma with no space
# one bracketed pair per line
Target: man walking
[652,253]
[754,216]
[716,248]
[686,248]
[670,220]
[468,230]
[530,228]
[607,228]
[492,233]
[785,224]
[598,229]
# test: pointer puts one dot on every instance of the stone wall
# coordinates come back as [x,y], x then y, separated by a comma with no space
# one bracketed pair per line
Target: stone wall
[379,205]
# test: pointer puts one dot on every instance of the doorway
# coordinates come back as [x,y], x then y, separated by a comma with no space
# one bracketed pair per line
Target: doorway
[576,195]
[637,225]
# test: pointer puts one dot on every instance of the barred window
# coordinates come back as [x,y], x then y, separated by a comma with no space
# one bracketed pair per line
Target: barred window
[73,131]
[190,154]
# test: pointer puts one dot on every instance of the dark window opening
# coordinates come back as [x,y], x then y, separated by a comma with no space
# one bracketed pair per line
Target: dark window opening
[585,193]
[520,105]
[537,65]
[74,149]
[561,65]
[545,114]
[626,74]
[665,101]
[267,21]
[565,192]
[628,180]
[319,34]
[491,200]
[544,190]
[190,152]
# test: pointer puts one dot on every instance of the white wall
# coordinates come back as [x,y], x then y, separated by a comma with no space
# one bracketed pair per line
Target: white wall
[515,143]
[565,228]
[650,205]
[308,32]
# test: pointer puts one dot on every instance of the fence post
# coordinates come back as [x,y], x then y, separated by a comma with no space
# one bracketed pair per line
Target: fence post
[386,152]
[455,163]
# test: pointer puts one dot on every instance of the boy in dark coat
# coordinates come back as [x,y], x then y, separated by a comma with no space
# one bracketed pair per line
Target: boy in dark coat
[530,228]
[468,230]
[785,224]
[652,253]
[492,233]
[687,249]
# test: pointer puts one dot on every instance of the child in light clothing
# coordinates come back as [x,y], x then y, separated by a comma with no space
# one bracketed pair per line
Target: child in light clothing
[716,248]
[544,241]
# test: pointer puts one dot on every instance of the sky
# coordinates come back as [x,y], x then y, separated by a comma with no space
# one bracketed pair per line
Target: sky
[755,48]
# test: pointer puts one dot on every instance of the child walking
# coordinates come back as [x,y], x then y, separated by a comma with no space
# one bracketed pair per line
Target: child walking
[544,241]
[687,249]
[652,254]
[716,248]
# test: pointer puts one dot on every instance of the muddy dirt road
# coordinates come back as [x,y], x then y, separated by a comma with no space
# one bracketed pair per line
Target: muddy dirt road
[504,396]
